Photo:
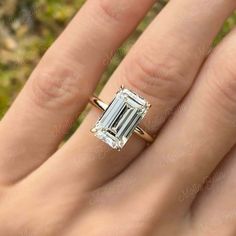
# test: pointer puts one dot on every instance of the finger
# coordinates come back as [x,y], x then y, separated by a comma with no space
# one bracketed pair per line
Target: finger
[59,88]
[158,68]
[198,136]
[214,208]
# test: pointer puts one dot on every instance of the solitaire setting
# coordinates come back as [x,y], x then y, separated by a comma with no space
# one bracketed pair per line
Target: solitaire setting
[121,118]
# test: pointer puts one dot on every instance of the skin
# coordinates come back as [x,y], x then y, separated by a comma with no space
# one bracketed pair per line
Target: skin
[182,184]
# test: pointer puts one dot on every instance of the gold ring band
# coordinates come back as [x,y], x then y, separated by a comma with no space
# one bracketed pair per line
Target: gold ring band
[97,102]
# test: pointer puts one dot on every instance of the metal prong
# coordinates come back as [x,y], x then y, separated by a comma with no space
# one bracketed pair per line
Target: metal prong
[93,130]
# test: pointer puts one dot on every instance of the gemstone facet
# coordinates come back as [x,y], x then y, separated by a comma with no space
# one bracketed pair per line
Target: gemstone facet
[120,119]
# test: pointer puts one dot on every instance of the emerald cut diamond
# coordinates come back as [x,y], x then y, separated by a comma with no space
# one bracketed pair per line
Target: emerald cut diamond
[120,119]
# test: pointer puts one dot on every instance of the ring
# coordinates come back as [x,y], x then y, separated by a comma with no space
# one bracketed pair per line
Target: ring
[120,118]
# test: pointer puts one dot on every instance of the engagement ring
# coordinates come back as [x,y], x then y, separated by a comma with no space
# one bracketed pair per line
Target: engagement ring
[120,118]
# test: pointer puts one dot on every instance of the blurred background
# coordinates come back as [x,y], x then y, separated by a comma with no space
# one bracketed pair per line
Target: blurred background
[29,27]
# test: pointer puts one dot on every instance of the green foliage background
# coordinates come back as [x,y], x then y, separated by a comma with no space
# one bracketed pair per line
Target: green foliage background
[29,27]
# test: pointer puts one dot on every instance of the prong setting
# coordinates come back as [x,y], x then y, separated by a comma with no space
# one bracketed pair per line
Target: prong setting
[120,119]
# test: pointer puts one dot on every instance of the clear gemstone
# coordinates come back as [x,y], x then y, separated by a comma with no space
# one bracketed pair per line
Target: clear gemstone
[121,118]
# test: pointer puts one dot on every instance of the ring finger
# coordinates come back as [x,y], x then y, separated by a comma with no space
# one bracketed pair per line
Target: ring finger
[59,88]
[161,67]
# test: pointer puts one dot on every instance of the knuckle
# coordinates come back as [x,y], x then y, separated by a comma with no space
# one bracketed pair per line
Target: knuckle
[158,79]
[117,10]
[226,85]
[54,86]
[107,11]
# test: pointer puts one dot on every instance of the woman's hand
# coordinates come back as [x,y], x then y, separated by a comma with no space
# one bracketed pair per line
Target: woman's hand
[183,184]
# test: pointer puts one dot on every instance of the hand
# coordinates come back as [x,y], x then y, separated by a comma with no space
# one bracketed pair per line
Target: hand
[183,184]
